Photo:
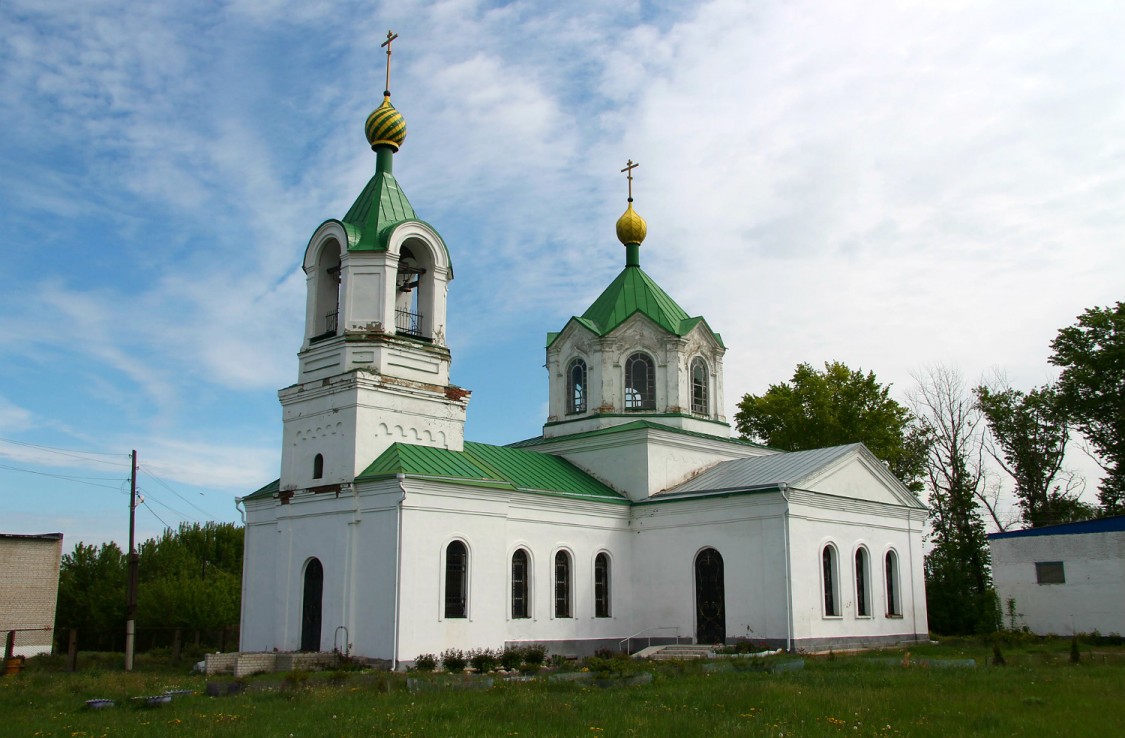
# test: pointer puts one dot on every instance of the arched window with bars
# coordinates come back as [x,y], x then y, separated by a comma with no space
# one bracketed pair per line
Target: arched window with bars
[576,386]
[640,383]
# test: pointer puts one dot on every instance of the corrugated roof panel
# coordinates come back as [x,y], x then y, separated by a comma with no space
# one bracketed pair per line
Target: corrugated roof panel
[406,458]
[784,467]
[530,470]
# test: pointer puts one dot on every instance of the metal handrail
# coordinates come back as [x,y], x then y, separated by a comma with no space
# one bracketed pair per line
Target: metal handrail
[625,640]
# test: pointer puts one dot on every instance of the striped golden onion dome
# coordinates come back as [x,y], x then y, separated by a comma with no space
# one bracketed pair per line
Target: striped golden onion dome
[631,228]
[385,126]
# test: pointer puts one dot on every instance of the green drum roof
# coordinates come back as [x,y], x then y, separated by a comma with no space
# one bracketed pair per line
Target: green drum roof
[634,291]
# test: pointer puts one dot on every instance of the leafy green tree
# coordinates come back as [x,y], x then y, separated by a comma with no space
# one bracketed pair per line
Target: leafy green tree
[830,408]
[1031,431]
[1092,389]
[960,598]
[92,596]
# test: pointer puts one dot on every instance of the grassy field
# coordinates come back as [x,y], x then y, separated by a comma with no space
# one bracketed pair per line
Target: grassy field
[1038,693]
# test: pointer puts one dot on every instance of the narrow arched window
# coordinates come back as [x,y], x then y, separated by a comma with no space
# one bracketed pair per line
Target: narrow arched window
[894,606]
[699,399]
[318,466]
[327,312]
[520,584]
[576,387]
[862,584]
[640,383]
[831,587]
[456,580]
[562,585]
[601,586]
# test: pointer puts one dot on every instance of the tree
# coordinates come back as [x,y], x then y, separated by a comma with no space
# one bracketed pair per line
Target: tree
[830,408]
[1031,431]
[959,594]
[1092,389]
[92,595]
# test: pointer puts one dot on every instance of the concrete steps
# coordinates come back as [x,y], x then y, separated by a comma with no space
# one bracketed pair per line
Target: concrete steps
[683,652]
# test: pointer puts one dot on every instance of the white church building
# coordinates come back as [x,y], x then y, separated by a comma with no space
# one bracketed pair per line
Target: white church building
[635,517]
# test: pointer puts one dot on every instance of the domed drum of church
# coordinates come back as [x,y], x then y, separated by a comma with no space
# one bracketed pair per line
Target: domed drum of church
[634,519]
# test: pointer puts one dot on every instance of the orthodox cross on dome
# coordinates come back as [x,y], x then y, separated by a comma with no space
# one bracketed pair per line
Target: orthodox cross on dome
[629,167]
[391,36]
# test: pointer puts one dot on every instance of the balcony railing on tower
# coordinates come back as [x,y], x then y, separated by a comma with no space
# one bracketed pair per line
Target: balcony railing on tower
[409,324]
[331,323]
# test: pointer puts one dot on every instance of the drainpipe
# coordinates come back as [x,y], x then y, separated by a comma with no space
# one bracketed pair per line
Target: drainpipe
[241,511]
[400,478]
[788,578]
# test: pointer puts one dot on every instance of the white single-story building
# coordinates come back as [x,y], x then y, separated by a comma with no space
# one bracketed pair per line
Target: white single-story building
[1063,579]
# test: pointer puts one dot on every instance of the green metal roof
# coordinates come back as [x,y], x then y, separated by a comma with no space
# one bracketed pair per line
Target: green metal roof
[381,206]
[635,425]
[631,292]
[494,466]
[268,491]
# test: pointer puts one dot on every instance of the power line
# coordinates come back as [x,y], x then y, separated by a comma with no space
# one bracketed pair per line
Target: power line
[80,480]
[149,496]
[149,508]
[67,452]
[177,494]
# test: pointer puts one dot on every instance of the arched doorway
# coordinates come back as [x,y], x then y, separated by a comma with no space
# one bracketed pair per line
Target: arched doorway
[710,607]
[311,606]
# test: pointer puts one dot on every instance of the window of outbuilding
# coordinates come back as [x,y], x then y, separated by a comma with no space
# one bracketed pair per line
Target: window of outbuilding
[562,584]
[699,387]
[456,580]
[640,382]
[576,387]
[601,586]
[1050,572]
[829,576]
[520,584]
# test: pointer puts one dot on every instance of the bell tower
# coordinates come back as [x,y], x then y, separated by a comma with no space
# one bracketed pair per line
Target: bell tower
[373,366]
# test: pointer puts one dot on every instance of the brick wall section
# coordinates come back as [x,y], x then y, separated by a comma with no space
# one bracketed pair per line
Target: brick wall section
[29,589]
[245,664]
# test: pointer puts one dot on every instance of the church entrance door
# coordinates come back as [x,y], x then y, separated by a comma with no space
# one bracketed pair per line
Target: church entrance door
[311,606]
[710,609]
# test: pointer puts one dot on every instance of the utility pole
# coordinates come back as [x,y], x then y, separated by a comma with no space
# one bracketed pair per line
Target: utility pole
[131,587]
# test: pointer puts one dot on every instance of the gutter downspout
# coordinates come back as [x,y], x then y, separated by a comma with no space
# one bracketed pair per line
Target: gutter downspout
[241,511]
[788,579]
[400,478]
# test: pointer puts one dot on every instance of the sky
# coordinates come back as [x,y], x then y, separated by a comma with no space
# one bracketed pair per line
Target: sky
[894,185]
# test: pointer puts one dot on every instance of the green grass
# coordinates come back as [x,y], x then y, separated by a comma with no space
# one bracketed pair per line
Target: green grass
[1038,693]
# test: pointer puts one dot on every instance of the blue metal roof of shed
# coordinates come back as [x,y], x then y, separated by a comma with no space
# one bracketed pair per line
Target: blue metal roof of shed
[1099,525]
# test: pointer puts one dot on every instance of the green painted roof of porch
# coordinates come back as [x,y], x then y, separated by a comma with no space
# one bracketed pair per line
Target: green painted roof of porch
[267,491]
[634,291]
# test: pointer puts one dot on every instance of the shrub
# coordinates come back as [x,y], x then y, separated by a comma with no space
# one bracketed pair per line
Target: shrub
[483,660]
[511,657]
[296,678]
[453,660]
[425,662]
[535,654]
[1075,657]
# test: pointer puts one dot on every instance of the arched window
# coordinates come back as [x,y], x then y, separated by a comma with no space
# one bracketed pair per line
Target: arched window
[640,383]
[520,584]
[456,580]
[311,604]
[862,584]
[894,607]
[318,466]
[562,585]
[576,387]
[699,400]
[327,315]
[409,320]
[831,585]
[601,586]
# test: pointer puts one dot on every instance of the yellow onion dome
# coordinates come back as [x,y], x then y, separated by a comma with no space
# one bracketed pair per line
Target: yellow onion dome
[631,228]
[385,126]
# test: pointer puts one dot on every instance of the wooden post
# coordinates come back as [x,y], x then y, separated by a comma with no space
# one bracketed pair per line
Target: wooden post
[10,646]
[72,651]
[131,593]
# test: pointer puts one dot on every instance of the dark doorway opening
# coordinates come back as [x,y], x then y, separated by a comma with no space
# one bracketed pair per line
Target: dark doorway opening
[710,608]
[311,606]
